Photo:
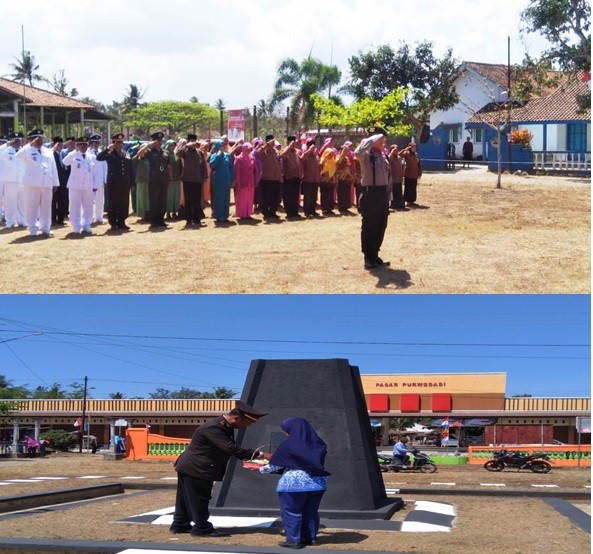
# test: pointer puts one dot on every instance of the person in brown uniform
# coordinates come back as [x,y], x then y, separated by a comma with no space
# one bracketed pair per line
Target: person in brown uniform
[292,169]
[271,178]
[397,179]
[205,461]
[193,175]
[412,173]
[311,179]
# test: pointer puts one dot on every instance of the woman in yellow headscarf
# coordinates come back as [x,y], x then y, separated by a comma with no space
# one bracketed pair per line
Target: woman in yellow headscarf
[328,166]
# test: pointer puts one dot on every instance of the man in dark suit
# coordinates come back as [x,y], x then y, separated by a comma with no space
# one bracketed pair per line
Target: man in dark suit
[59,207]
[119,182]
[204,462]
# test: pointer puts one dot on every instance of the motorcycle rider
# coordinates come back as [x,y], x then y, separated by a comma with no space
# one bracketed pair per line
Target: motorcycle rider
[400,452]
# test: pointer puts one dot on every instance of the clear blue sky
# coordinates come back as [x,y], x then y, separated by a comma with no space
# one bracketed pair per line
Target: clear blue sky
[136,344]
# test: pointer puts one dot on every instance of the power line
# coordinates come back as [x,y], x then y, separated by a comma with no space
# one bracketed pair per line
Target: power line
[286,341]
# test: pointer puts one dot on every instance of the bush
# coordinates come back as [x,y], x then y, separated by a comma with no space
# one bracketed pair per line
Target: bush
[59,439]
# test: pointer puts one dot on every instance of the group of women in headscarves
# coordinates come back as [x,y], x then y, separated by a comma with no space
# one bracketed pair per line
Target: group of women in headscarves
[330,177]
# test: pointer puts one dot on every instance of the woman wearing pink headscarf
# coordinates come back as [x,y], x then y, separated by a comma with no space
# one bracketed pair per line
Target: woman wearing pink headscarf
[245,178]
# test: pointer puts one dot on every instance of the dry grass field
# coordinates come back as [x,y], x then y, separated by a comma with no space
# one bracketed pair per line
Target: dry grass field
[531,236]
[482,525]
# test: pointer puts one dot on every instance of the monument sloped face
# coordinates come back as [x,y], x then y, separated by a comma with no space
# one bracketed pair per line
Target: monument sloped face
[329,394]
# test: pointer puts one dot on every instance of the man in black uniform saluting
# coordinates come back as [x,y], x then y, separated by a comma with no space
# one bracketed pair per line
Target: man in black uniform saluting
[119,182]
[204,462]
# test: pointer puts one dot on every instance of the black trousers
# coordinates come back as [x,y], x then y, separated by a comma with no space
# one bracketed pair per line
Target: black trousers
[157,200]
[192,192]
[410,185]
[309,197]
[59,206]
[191,503]
[119,205]
[344,195]
[290,196]
[269,197]
[398,196]
[374,208]
[326,197]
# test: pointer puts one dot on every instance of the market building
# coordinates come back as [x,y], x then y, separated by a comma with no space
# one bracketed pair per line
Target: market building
[474,405]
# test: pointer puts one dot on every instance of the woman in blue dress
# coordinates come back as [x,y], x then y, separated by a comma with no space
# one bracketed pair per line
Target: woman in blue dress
[221,163]
[300,460]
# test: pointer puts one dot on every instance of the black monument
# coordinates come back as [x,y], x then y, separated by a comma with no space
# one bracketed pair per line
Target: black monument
[329,394]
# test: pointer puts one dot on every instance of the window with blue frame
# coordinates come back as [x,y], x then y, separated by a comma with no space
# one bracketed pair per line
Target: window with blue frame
[576,137]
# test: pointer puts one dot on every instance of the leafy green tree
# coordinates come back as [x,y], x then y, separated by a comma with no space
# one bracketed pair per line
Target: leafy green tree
[25,69]
[428,80]
[298,82]
[175,116]
[367,113]
[566,25]
[117,395]
[54,391]
[59,439]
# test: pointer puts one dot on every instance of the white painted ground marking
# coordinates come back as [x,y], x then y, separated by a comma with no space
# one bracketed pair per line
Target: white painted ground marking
[222,521]
[419,527]
[92,477]
[436,507]
[492,485]
[168,478]
[448,484]
[587,486]
[20,480]
[3,484]
[133,477]
[548,486]
[49,478]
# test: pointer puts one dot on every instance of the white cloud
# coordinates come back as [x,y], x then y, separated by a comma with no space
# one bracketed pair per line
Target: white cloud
[223,49]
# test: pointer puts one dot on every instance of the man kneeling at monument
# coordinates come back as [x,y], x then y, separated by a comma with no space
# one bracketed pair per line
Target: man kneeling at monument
[205,461]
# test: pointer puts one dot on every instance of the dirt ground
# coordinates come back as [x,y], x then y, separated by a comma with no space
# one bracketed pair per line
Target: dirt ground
[516,525]
[531,236]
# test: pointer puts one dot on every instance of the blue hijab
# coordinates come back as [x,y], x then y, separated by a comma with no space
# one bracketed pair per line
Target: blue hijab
[302,449]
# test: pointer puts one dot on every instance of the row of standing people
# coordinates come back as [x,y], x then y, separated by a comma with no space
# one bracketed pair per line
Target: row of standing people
[183,175]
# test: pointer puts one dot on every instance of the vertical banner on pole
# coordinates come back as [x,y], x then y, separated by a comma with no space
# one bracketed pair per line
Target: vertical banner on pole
[236,127]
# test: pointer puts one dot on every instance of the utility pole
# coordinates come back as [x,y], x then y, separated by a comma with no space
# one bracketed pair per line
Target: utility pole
[509,104]
[254,121]
[86,379]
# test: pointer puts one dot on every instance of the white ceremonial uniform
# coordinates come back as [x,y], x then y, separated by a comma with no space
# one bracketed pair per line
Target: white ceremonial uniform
[80,190]
[11,170]
[39,178]
[100,176]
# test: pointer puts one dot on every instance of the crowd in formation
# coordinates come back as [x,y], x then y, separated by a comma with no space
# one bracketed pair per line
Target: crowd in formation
[43,185]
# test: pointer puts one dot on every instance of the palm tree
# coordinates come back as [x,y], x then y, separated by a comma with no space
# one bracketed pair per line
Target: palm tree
[299,81]
[133,97]
[117,395]
[25,70]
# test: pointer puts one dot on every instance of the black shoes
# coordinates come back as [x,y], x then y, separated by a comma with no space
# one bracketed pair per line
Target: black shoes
[214,534]
[293,545]
[179,530]
[374,263]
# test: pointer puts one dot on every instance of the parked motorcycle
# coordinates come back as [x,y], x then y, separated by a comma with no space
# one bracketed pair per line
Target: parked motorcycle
[537,462]
[421,463]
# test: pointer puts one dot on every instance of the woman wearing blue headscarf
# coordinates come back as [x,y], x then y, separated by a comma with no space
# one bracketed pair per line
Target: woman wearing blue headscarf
[221,163]
[300,459]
